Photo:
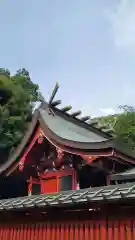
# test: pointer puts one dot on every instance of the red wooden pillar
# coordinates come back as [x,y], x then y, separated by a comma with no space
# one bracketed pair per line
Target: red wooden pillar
[30,187]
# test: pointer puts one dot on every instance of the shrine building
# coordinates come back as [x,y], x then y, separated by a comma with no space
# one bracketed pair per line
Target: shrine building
[63,151]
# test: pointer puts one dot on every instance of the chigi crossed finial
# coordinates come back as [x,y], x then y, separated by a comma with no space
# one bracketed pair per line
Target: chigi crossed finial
[76,115]
[53,93]
[64,109]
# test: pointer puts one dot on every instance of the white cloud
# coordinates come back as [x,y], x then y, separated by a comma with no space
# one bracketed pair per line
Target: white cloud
[122,20]
[107,111]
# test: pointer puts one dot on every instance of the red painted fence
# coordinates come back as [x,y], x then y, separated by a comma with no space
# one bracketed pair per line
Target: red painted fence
[92,230]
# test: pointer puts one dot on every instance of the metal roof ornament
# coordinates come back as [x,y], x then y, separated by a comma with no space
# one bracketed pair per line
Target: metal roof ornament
[60,154]
[40,138]
[21,164]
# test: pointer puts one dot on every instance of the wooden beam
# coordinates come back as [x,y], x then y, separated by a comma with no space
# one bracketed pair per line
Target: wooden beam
[84,119]
[75,114]
[66,108]
[53,93]
[56,103]
[93,122]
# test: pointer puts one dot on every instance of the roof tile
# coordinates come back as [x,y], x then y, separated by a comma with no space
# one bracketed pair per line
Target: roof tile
[111,193]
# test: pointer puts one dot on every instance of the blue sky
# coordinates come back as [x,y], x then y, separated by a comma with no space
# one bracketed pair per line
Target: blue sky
[88,46]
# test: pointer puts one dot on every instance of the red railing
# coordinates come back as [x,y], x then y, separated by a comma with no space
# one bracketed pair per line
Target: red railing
[88,230]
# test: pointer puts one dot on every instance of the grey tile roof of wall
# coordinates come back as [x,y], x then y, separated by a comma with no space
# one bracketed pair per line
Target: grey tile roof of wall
[128,174]
[110,193]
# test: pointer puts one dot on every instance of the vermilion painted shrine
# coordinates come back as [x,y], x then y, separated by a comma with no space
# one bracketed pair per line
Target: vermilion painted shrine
[66,162]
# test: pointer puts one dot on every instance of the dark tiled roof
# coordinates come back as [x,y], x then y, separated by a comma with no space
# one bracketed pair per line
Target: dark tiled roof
[110,193]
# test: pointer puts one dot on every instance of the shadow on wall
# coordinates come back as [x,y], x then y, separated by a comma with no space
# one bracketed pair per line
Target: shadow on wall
[91,176]
[13,186]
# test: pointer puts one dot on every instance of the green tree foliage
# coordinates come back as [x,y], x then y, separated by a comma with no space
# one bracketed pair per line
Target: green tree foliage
[125,125]
[122,125]
[18,94]
[107,121]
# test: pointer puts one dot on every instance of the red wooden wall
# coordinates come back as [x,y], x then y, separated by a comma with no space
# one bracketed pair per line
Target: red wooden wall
[88,230]
[106,224]
[50,181]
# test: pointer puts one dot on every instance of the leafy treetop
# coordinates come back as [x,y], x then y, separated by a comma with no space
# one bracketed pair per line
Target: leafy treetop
[18,95]
[123,125]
